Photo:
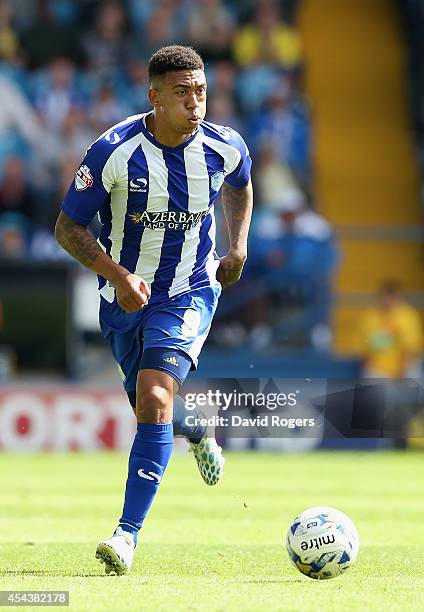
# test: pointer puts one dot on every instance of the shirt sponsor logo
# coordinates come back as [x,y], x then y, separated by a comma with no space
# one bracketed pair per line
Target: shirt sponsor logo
[83,178]
[169,219]
[138,184]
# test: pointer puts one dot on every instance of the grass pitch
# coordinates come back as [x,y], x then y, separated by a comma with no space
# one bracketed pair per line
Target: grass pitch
[216,548]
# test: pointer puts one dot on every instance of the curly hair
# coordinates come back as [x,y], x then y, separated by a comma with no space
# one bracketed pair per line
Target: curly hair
[173,58]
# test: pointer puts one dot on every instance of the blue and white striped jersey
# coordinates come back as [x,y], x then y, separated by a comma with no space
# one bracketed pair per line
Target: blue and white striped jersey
[156,203]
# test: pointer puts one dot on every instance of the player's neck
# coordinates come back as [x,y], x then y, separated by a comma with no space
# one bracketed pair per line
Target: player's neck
[163,134]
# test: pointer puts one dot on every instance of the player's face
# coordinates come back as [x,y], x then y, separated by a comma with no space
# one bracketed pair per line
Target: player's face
[179,99]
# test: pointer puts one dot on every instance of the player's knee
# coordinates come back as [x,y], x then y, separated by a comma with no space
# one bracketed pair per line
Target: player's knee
[154,405]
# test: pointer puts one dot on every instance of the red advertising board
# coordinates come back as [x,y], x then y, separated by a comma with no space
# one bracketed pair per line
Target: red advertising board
[61,418]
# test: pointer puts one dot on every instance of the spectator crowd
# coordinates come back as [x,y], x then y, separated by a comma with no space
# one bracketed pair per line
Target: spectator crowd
[69,70]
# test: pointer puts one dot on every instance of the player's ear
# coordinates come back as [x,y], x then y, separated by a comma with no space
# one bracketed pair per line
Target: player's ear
[154,97]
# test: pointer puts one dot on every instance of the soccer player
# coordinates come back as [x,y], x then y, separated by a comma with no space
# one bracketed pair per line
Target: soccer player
[154,179]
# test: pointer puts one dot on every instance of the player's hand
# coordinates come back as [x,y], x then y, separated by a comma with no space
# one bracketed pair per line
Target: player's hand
[230,268]
[132,292]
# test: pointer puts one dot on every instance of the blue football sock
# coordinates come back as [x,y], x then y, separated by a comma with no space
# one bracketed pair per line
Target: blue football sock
[194,432]
[149,456]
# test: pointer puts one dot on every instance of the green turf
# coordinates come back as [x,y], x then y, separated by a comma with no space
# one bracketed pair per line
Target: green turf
[214,548]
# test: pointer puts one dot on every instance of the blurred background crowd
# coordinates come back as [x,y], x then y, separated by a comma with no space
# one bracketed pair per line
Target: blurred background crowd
[70,69]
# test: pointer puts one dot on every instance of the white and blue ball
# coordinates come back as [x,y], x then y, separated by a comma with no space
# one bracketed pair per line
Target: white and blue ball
[322,542]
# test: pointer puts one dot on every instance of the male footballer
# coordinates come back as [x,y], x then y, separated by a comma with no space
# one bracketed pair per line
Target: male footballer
[153,179]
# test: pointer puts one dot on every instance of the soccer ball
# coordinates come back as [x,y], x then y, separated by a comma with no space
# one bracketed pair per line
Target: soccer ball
[322,542]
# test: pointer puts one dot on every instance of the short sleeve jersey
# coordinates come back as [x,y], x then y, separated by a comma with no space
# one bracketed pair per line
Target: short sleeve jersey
[156,203]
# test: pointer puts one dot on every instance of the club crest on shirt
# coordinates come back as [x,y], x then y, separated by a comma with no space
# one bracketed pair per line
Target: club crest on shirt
[83,178]
[216,181]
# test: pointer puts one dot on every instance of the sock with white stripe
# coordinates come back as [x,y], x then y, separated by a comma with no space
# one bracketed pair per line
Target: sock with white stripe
[149,456]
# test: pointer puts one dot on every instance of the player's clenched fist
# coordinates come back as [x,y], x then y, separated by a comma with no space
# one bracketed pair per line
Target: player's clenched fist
[132,292]
[230,268]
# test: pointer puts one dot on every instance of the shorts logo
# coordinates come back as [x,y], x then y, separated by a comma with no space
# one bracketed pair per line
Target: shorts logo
[216,181]
[83,178]
[192,320]
[172,360]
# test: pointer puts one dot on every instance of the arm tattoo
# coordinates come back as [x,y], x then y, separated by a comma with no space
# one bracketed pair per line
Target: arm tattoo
[77,240]
[237,204]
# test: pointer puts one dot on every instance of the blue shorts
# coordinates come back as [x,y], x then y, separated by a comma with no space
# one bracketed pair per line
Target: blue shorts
[166,335]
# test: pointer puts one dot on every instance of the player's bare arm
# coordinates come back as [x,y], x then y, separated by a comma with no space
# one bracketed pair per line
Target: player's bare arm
[237,204]
[132,291]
